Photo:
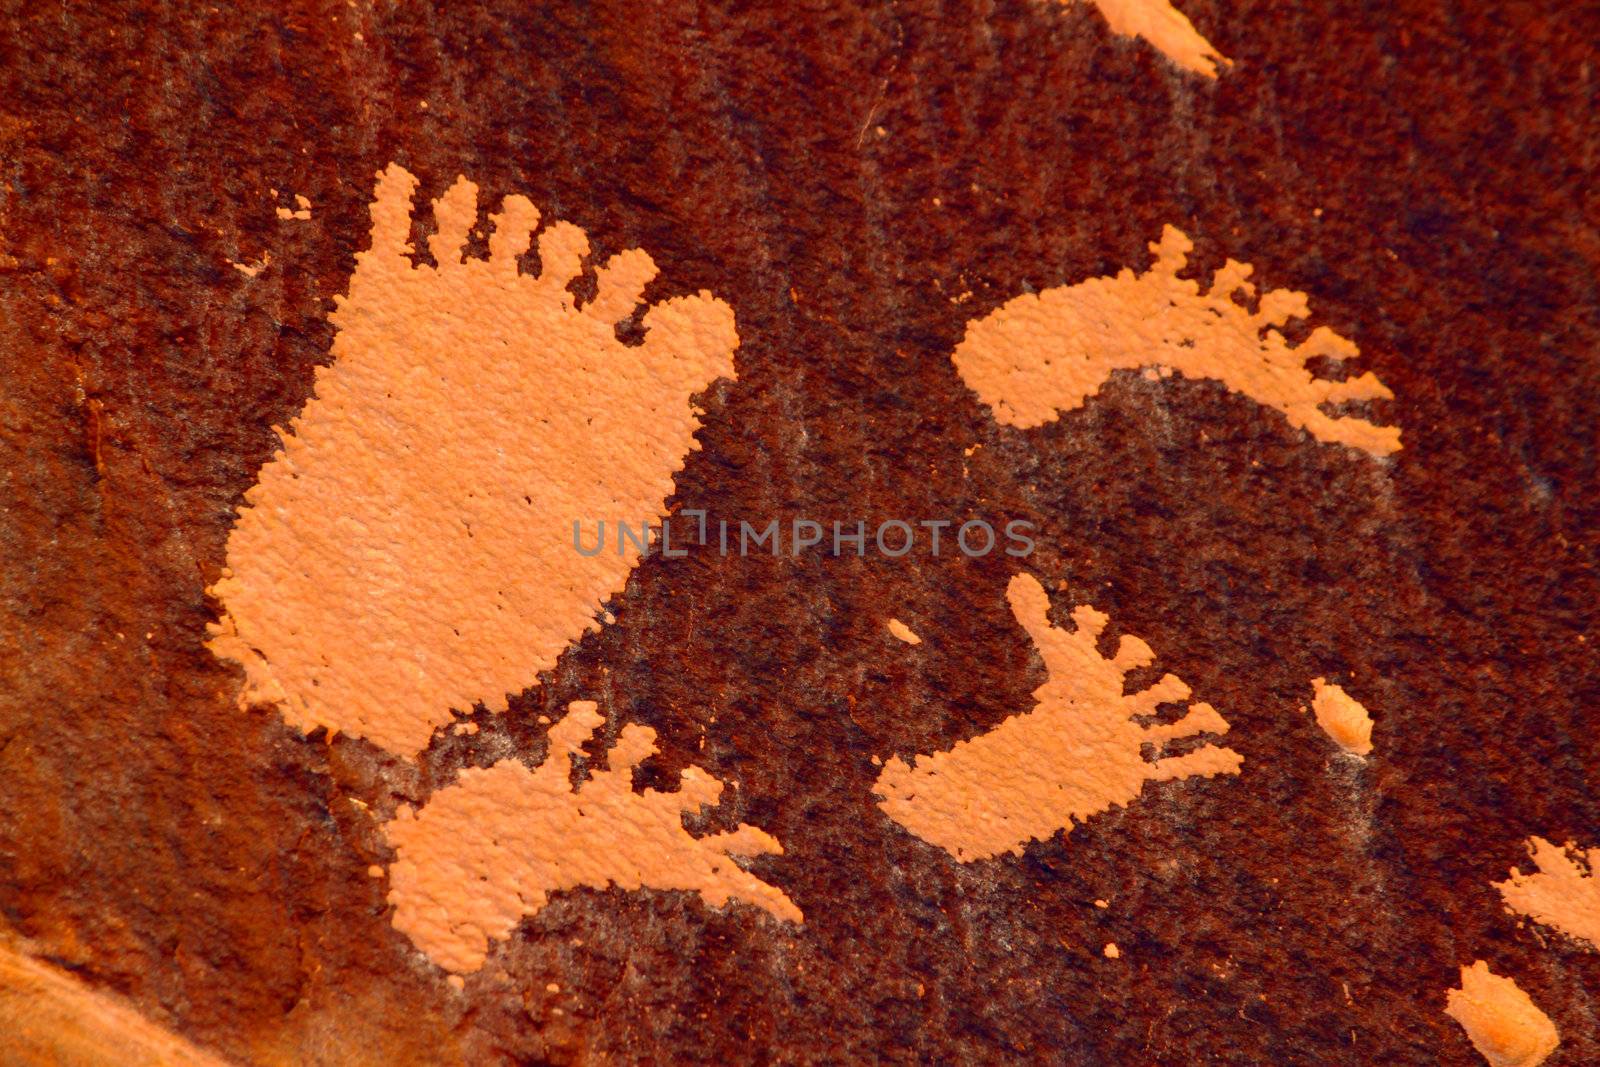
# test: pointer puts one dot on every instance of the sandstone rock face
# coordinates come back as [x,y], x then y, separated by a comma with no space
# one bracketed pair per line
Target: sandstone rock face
[321,742]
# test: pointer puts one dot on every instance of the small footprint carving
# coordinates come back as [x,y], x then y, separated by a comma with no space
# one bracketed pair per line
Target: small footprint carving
[1077,753]
[491,849]
[1039,355]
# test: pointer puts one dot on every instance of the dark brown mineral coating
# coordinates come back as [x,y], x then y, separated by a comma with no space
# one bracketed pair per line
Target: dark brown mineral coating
[1426,172]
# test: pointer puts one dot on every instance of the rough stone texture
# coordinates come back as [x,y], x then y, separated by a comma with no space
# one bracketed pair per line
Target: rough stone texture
[212,865]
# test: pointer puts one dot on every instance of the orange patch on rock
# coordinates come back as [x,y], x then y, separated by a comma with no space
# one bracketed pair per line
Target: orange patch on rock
[486,852]
[1503,1023]
[1077,753]
[1043,354]
[1342,717]
[1564,892]
[1168,31]
[901,632]
[410,548]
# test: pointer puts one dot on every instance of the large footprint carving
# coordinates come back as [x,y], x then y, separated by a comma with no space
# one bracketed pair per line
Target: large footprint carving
[409,549]
[1077,753]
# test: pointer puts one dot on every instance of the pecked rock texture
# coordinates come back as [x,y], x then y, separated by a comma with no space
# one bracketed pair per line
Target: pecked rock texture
[185,191]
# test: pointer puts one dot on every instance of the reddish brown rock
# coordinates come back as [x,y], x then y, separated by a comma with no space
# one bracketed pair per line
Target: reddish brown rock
[858,183]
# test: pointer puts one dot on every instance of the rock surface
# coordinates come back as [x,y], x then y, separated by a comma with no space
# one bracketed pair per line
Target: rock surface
[185,191]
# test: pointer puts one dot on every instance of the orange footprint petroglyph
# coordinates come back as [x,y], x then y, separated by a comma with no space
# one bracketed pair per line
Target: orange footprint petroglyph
[491,849]
[1077,753]
[409,548]
[1043,354]
[1562,892]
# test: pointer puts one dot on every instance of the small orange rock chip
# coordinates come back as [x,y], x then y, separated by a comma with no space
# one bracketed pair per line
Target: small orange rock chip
[1342,717]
